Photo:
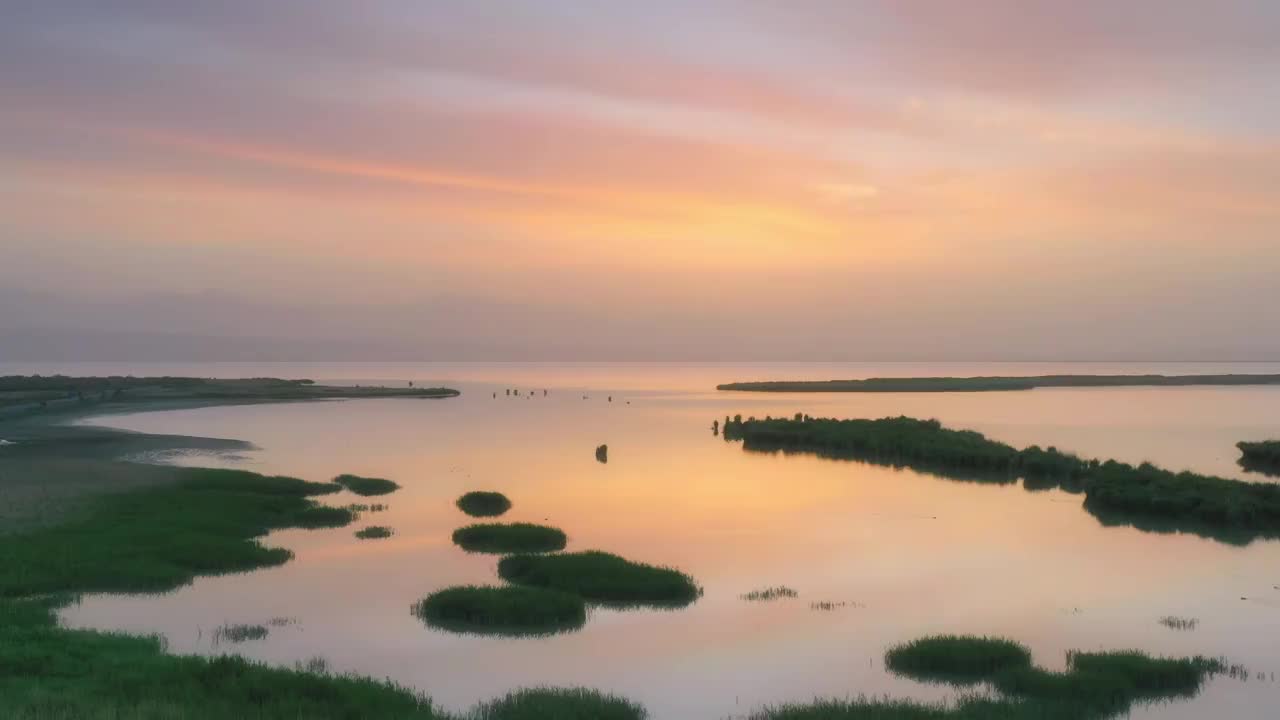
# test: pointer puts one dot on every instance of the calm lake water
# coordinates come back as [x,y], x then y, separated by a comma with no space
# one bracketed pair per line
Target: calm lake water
[910,554]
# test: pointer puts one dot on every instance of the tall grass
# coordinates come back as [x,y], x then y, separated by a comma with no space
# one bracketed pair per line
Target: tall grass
[374,532]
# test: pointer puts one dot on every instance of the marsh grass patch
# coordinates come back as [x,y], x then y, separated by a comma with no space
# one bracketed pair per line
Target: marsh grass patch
[602,578]
[366,486]
[956,659]
[484,503]
[506,610]
[159,538]
[509,538]
[374,532]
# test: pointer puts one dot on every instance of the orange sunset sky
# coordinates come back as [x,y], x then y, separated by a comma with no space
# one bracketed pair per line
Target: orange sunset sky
[546,179]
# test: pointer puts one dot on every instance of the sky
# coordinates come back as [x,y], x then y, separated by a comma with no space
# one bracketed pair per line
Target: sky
[667,180]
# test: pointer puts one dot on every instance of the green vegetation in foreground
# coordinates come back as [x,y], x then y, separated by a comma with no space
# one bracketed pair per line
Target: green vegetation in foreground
[374,532]
[22,394]
[159,538]
[1094,686]
[47,672]
[366,486]
[771,593]
[1263,457]
[509,610]
[509,538]
[1145,496]
[560,704]
[602,577]
[483,503]
[996,383]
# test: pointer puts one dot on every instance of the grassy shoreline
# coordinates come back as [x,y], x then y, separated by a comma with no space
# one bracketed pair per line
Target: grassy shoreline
[997,383]
[1144,496]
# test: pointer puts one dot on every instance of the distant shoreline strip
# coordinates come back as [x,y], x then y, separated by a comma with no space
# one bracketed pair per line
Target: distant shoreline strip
[997,383]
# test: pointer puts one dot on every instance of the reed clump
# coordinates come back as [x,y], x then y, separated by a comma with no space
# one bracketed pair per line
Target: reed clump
[769,593]
[374,532]
[1173,622]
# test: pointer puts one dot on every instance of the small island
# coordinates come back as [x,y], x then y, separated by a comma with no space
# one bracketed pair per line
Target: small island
[1261,457]
[996,383]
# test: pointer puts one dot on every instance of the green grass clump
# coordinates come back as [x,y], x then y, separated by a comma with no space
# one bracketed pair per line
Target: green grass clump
[366,485]
[509,610]
[374,532]
[955,658]
[1095,686]
[509,538]
[559,703]
[601,577]
[159,538]
[482,503]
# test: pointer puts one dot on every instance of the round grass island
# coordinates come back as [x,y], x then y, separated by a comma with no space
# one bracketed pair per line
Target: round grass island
[510,610]
[484,503]
[366,486]
[602,578]
[509,538]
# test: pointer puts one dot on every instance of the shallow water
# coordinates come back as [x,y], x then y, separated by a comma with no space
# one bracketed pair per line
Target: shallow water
[912,554]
